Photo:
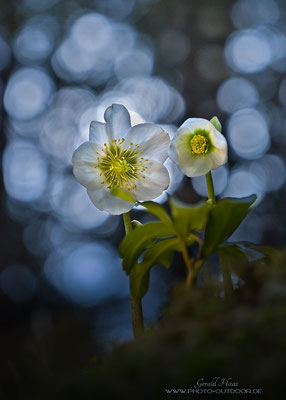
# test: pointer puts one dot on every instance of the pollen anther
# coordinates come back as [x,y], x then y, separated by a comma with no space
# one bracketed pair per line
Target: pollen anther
[199,144]
[121,167]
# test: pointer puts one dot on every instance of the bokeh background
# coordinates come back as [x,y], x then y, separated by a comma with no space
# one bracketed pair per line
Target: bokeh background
[62,290]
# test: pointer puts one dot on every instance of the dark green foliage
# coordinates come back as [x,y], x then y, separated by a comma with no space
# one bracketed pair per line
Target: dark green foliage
[159,212]
[157,253]
[237,257]
[201,335]
[137,240]
[224,219]
[178,231]
[188,218]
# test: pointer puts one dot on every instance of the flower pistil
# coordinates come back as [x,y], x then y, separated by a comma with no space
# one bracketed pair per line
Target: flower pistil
[199,144]
[121,167]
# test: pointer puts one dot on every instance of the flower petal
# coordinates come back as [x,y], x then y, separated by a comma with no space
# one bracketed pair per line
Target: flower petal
[105,201]
[88,176]
[153,140]
[86,153]
[217,139]
[179,150]
[190,164]
[219,152]
[199,166]
[84,160]
[219,157]
[117,121]
[191,124]
[172,152]
[97,132]
[155,182]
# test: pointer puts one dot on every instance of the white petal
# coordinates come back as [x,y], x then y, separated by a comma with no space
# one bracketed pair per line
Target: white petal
[88,176]
[104,201]
[219,157]
[219,152]
[199,166]
[153,141]
[156,181]
[180,151]
[84,159]
[172,152]
[117,121]
[217,139]
[191,165]
[191,124]
[86,153]
[97,132]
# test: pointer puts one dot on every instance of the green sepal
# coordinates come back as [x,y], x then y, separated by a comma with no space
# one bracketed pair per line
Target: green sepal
[188,218]
[157,210]
[216,123]
[123,195]
[139,239]
[157,253]
[224,218]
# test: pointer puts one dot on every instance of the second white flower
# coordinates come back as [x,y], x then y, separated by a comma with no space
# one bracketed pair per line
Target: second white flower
[198,147]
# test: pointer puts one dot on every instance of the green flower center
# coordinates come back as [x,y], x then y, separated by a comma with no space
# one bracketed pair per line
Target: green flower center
[199,144]
[121,167]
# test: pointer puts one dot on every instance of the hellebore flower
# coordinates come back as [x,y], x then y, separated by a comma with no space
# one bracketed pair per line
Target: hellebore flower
[198,146]
[120,156]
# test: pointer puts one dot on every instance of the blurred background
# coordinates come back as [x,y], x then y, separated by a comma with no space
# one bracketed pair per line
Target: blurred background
[63,294]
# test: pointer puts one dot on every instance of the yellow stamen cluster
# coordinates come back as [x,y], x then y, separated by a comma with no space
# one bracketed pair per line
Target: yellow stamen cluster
[121,166]
[199,144]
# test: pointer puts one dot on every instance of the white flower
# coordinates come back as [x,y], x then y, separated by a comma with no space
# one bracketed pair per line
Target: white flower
[198,147]
[120,156]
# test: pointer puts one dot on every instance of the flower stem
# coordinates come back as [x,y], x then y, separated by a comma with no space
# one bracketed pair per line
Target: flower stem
[210,186]
[190,279]
[136,305]
[185,254]
[193,273]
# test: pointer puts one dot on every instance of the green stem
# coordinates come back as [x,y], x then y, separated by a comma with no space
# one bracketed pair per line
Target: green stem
[185,254]
[210,186]
[193,273]
[190,279]
[136,305]
[127,222]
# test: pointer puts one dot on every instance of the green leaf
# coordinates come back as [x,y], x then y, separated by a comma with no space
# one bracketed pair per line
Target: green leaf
[237,256]
[251,251]
[138,239]
[123,195]
[157,253]
[233,259]
[225,216]
[165,258]
[135,224]
[216,123]
[188,218]
[157,210]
